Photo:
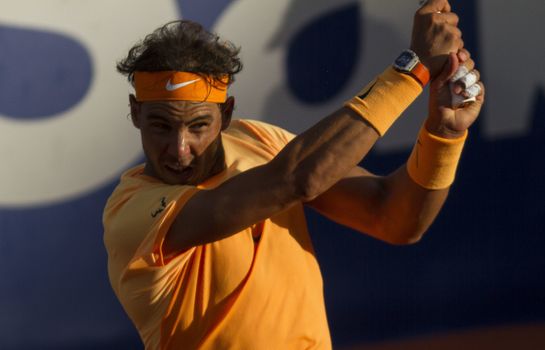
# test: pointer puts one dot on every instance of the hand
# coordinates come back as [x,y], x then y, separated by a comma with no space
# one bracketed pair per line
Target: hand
[444,120]
[435,34]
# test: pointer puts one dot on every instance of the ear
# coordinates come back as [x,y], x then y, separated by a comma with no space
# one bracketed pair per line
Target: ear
[135,111]
[227,109]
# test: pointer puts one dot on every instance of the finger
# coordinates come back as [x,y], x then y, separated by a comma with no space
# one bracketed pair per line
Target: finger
[474,102]
[459,101]
[449,69]
[432,6]
[464,69]
[449,33]
[460,96]
[446,31]
[460,72]
[456,36]
[440,18]
[480,96]
[469,64]
[465,76]
[469,79]
[472,91]
[463,55]
[461,44]
[446,17]
[478,102]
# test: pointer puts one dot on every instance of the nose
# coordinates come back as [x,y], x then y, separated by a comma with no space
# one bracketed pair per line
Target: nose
[181,149]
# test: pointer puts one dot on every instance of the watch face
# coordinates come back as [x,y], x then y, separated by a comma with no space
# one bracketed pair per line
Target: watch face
[406,61]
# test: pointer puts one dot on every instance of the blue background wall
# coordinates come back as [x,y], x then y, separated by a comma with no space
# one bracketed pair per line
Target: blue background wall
[482,264]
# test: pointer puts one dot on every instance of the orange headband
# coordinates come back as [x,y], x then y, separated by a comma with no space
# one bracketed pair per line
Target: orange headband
[178,86]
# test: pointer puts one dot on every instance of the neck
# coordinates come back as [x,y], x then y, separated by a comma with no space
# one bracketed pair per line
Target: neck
[219,160]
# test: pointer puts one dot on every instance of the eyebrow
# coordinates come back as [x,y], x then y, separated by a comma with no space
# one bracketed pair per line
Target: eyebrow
[155,116]
[206,117]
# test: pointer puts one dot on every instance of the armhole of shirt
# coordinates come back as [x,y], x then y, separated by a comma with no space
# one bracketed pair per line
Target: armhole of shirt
[268,134]
[164,225]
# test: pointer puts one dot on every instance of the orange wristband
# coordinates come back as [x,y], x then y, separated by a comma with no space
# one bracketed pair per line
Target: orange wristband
[383,100]
[433,161]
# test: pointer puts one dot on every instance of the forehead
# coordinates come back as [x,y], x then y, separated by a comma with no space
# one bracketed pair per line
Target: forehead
[179,109]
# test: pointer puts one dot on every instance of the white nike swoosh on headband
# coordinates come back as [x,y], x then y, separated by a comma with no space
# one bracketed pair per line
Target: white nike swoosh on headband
[172,87]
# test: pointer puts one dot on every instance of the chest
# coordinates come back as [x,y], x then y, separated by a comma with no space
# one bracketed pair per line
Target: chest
[277,250]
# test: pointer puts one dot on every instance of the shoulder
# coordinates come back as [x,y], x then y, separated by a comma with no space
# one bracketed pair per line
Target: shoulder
[260,131]
[139,200]
[140,210]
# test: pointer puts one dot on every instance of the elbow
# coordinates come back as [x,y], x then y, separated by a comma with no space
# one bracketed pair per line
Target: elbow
[307,186]
[401,225]
[305,191]
[297,182]
[405,239]
[402,233]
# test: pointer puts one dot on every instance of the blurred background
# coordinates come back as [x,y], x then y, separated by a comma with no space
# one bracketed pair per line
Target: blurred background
[476,280]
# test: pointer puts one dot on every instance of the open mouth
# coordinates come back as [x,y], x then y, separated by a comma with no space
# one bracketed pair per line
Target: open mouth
[181,172]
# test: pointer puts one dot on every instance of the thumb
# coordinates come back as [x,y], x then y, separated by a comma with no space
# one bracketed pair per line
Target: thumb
[432,6]
[449,68]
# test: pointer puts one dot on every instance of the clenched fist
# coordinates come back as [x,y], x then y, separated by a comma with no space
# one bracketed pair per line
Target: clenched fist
[444,119]
[435,34]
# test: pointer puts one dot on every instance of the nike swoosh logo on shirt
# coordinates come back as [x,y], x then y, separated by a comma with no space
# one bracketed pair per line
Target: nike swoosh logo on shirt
[172,87]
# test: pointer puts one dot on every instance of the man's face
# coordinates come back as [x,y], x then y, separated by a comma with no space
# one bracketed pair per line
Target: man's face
[181,139]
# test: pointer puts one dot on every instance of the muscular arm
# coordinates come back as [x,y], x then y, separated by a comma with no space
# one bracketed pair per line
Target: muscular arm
[392,208]
[312,162]
[309,165]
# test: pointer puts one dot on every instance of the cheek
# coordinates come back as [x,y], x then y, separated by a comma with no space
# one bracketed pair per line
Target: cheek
[207,143]
[152,144]
[212,148]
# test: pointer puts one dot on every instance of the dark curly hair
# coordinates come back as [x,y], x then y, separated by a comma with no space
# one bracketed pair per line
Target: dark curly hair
[183,46]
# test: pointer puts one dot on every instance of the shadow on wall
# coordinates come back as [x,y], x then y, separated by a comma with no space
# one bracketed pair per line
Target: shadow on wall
[326,58]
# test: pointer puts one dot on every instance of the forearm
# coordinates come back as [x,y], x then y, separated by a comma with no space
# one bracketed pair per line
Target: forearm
[408,209]
[397,208]
[305,168]
[328,151]
[319,157]
[392,208]
[308,165]
[416,192]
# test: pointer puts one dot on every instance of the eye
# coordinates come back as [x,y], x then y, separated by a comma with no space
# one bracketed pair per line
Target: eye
[198,126]
[160,126]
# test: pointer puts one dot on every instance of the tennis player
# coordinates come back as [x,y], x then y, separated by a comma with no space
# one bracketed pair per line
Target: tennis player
[207,242]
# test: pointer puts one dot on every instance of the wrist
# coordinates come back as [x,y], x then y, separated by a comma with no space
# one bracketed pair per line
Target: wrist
[434,160]
[424,59]
[409,63]
[434,64]
[441,130]
[383,100]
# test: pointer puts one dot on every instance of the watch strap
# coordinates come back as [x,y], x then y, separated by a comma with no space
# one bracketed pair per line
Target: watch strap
[421,73]
[409,63]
